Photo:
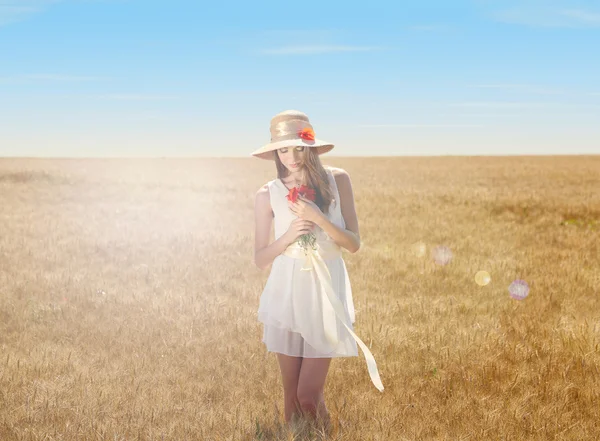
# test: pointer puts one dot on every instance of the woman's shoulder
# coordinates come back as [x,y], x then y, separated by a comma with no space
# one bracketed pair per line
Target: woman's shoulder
[336,171]
[265,188]
[339,174]
[263,197]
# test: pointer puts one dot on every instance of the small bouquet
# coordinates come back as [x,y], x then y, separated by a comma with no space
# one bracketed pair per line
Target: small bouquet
[308,239]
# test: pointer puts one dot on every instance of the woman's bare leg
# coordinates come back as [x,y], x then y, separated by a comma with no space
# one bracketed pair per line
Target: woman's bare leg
[311,384]
[290,372]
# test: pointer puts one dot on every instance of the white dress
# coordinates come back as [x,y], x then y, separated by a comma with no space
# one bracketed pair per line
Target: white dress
[291,304]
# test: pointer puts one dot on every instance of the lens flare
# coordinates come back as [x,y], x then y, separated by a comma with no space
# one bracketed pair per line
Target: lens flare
[419,249]
[519,289]
[482,278]
[442,255]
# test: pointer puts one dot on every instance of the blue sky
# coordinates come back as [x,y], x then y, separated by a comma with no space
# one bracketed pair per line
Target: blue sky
[97,78]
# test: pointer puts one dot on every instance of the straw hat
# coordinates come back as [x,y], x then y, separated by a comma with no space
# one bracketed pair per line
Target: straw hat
[291,128]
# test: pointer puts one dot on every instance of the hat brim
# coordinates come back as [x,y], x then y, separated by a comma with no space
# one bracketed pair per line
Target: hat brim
[267,150]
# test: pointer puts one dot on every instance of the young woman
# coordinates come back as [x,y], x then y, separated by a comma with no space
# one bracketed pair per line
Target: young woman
[306,306]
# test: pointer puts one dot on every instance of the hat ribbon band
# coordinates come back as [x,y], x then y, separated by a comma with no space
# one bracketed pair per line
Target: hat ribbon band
[288,130]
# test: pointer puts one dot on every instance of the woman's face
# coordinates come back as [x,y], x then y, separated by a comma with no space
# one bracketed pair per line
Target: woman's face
[290,156]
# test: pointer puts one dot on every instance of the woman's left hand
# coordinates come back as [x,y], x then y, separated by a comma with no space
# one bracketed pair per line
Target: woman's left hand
[306,209]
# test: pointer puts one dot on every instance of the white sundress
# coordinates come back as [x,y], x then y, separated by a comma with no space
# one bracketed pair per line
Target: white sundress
[293,305]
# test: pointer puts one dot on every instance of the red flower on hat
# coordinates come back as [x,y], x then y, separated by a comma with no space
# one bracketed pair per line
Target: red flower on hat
[307,133]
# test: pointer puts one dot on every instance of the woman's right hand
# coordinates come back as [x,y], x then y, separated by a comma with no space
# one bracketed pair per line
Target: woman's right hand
[297,228]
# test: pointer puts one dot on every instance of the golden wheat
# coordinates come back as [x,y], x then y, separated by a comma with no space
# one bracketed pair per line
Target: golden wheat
[128,301]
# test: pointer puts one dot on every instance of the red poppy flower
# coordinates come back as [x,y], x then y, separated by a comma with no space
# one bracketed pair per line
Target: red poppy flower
[307,134]
[293,194]
[307,240]
[307,192]
[304,191]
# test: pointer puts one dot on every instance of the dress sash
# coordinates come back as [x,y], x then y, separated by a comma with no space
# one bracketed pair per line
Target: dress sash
[332,306]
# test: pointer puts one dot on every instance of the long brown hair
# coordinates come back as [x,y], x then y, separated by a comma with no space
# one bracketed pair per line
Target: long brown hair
[316,177]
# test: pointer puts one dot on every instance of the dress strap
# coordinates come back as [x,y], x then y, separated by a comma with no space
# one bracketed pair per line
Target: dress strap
[333,186]
[275,196]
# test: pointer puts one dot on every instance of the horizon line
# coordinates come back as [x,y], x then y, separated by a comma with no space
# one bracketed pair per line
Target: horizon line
[341,157]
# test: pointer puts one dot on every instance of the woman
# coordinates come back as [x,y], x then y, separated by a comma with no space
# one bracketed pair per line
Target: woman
[306,306]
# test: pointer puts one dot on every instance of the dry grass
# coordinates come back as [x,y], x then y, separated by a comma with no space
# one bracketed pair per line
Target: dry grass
[128,302]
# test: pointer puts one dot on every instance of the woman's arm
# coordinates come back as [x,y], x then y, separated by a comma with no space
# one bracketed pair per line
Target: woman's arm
[264,254]
[348,238]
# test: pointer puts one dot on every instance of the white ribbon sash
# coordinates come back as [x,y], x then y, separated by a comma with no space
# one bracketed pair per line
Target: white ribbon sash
[332,306]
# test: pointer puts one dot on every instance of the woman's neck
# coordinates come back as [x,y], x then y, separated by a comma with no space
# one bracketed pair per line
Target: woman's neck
[295,178]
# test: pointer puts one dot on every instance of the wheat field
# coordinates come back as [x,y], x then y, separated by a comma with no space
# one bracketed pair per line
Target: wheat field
[128,301]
